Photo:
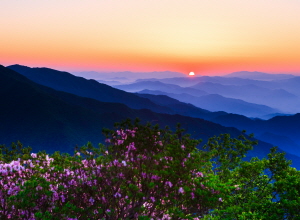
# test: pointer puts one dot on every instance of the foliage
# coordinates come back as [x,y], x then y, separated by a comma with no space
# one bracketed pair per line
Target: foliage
[144,172]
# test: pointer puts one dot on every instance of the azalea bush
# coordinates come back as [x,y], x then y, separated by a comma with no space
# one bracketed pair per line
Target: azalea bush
[144,172]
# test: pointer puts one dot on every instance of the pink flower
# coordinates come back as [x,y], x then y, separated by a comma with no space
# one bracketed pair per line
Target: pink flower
[121,175]
[119,142]
[168,183]
[107,140]
[181,190]
[154,177]
[237,187]
[220,200]
[33,155]
[117,195]
[193,195]
[199,174]
[182,147]
[131,146]
[91,200]
[62,198]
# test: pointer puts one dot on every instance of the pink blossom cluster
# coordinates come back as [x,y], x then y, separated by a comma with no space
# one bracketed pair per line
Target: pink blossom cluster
[132,178]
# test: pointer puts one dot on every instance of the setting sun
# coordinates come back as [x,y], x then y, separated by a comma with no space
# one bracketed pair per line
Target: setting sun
[191,74]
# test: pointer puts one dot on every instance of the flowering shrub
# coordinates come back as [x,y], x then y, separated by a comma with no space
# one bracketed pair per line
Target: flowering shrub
[142,172]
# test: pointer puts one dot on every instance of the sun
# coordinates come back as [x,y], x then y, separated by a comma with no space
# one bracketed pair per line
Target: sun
[191,74]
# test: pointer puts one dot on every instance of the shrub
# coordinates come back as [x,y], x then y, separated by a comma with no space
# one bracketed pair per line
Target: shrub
[144,172]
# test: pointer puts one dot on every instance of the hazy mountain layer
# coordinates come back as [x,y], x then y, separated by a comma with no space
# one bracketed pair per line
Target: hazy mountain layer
[259,75]
[215,103]
[127,76]
[275,98]
[279,94]
[156,85]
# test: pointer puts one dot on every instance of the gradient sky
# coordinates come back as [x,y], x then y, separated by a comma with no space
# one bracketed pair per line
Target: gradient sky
[204,36]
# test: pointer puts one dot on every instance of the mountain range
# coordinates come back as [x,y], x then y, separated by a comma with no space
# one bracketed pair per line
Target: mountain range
[215,102]
[58,118]
[281,94]
[259,75]
[54,120]
[127,76]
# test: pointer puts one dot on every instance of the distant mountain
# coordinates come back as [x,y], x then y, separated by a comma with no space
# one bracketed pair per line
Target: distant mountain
[127,75]
[66,82]
[191,81]
[110,83]
[275,98]
[214,102]
[259,75]
[156,85]
[249,91]
[180,81]
[291,85]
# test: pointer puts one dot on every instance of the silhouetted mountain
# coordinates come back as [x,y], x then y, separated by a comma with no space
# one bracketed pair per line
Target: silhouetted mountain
[156,85]
[67,82]
[279,140]
[53,120]
[259,75]
[215,103]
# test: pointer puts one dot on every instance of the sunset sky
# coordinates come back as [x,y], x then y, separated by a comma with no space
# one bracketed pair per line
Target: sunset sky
[204,36]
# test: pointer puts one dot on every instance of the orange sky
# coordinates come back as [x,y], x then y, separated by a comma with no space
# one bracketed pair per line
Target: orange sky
[204,36]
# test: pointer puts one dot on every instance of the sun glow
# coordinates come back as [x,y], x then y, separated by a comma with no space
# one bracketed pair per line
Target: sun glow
[191,74]
[209,37]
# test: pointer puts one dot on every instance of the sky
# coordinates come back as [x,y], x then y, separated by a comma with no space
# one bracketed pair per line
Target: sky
[208,37]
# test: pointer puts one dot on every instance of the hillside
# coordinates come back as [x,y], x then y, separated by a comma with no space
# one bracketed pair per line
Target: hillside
[66,82]
[53,120]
